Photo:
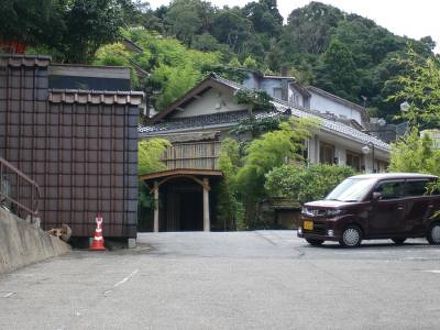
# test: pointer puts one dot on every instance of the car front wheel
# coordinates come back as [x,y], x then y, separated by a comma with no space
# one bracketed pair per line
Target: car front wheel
[351,237]
[434,234]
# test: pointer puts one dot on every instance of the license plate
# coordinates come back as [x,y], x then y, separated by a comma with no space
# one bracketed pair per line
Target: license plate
[308,225]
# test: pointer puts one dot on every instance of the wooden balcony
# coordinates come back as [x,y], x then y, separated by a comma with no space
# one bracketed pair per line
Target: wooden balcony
[194,155]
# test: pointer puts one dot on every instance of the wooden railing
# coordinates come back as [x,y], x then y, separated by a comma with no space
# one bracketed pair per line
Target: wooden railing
[196,155]
[18,192]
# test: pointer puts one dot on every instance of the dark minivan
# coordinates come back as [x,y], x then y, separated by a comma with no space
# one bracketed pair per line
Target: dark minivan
[374,206]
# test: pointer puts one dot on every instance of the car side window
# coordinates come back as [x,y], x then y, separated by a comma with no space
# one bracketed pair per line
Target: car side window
[389,190]
[415,188]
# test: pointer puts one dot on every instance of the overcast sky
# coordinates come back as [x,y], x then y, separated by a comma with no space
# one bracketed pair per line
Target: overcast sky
[413,18]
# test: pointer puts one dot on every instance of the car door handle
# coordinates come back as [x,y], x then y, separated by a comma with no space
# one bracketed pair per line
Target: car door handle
[400,208]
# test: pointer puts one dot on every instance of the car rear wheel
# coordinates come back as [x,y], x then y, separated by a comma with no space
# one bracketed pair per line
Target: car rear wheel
[315,242]
[398,240]
[351,237]
[434,234]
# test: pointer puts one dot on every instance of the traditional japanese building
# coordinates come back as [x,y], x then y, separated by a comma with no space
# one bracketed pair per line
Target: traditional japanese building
[196,124]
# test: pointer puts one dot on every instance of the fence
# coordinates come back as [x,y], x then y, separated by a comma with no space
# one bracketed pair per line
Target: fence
[197,155]
[18,192]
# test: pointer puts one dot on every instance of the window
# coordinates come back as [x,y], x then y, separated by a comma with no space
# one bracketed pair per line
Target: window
[390,190]
[277,93]
[415,188]
[326,153]
[354,160]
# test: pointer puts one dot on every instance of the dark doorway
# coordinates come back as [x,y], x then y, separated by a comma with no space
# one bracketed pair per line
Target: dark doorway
[181,206]
[191,211]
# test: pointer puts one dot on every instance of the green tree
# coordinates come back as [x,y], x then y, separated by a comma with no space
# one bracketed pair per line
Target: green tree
[89,24]
[271,150]
[149,154]
[32,22]
[230,209]
[305,183]
[415,154]
[338,72]
[420,88]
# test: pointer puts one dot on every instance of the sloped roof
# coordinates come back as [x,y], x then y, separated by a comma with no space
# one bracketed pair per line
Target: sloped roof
[229,119]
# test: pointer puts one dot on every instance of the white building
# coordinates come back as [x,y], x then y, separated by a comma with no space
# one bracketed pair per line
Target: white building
[308,97]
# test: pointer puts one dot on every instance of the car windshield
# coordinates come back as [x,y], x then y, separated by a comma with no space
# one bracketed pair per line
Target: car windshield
[351,190]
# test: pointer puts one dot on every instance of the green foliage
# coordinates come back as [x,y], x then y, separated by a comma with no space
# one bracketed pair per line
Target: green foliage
[149,153]
[321,45]
[305,183]
[271,150]
[174,67]
[32,22]
[245,167]
[250,63]
[256,126]
[258,100]
[230,209]
[420,87]
[415,154]
[338,72]
[116,55]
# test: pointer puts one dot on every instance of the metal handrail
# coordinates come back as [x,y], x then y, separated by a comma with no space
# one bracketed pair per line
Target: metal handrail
[19,175]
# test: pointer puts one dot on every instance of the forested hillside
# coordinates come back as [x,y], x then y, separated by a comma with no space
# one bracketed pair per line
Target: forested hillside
[342,53]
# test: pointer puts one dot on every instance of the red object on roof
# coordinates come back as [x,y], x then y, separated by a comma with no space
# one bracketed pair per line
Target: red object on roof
[13,46]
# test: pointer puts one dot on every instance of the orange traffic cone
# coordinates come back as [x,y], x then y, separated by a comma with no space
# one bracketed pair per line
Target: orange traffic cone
[98,239]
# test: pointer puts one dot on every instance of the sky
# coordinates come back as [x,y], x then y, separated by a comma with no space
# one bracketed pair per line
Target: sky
[413,18]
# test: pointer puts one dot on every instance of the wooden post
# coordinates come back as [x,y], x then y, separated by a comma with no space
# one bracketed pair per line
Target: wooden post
[206,219]
[156,207]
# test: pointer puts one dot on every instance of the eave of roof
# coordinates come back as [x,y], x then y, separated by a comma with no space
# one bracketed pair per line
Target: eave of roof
[94,97]
[24,60]
[180,172]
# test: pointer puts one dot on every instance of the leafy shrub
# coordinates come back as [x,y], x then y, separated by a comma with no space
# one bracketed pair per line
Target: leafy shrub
[415,154]
[305,183]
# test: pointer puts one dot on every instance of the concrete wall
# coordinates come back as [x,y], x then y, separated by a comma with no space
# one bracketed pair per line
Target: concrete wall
[212,102]
[22,243]
[323,104]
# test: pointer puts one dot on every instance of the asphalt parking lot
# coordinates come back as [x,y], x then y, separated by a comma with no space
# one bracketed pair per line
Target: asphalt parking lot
[240,280]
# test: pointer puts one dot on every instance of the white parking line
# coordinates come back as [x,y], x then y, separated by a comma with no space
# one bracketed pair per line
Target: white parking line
[10,294]
[434,271]
[125,279]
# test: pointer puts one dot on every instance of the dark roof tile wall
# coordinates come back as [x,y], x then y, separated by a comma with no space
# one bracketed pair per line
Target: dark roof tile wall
[94,97]
[24,60]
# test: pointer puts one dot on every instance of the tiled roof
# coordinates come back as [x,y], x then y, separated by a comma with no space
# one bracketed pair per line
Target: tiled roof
[226,119]
[94,97]
[24,60]
[335,127]
[220,119]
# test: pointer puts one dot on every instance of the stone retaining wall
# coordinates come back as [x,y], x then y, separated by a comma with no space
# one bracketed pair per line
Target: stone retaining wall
[22,243]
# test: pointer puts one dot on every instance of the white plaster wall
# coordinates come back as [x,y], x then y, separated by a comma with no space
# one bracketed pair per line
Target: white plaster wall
[268,85]
[251,82]
[322,104]
[212,102]
[295,97]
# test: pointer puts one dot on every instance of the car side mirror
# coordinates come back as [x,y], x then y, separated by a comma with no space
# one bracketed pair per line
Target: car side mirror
[376,196]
